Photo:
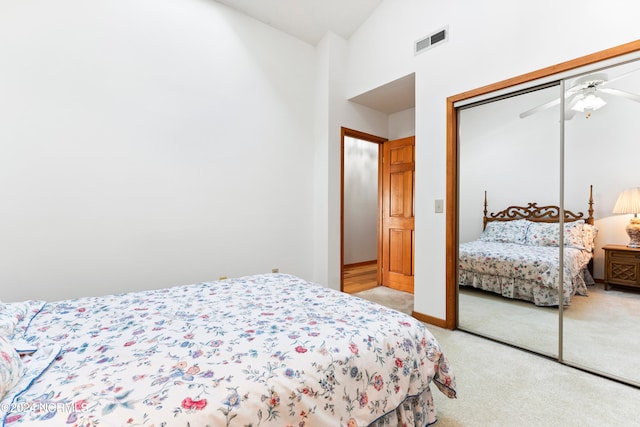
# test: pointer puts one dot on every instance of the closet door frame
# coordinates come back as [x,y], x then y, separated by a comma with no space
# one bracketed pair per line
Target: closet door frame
[551,73]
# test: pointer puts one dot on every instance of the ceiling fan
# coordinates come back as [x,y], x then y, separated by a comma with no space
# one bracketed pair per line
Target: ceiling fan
[583,95]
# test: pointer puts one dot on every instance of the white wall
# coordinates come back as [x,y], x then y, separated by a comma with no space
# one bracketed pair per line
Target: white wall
[333,111]
[402,124]
[489,41]
[360,201]
[150,143]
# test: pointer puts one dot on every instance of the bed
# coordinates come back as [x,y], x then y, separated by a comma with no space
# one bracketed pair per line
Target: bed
[518,256]
[264,350]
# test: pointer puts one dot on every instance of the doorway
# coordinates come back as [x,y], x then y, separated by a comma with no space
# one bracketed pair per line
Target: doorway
[377,238]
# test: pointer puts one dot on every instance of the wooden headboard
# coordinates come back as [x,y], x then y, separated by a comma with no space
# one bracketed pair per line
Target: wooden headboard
[536,213]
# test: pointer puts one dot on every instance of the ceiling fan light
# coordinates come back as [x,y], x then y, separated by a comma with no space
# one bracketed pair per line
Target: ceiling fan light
[594,102]
[578,106]
[589,102]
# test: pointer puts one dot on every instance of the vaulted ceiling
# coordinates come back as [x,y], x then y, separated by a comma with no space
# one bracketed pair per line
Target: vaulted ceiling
[310,20]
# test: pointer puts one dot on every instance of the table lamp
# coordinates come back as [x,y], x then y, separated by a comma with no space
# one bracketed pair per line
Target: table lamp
[629,202]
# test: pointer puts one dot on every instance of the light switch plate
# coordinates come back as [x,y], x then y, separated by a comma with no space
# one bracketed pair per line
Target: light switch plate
[439,206]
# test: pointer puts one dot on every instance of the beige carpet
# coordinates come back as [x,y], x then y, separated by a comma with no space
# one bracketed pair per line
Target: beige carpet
[600,330]
[499,385]
[516,322]
[603,331]
[398,300]
[502,386]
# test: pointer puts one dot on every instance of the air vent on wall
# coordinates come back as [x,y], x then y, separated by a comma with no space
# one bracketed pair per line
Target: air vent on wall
[426,43]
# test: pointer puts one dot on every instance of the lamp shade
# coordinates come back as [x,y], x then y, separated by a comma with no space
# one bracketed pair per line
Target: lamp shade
[628,202]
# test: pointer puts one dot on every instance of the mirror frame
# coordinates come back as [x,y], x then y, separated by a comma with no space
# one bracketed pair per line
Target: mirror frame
[452,207]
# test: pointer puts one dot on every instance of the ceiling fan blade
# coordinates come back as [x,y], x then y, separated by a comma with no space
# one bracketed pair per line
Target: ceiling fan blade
[569,112]
[539,108]
[623,75]
[618,92]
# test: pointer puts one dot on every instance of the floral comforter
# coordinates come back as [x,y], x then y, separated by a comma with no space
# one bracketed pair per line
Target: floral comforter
[525,272]
[267,350]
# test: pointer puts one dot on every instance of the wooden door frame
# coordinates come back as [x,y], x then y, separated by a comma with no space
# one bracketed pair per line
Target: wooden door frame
[452,156]
[346,132]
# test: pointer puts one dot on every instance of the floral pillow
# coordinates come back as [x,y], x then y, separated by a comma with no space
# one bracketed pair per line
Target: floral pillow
[589,234]
[15,316]
[10,315]
[547,234]
[574,234]
[10,367]
[506,231]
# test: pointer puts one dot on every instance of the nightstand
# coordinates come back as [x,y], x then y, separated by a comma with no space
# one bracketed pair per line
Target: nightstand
[621,266]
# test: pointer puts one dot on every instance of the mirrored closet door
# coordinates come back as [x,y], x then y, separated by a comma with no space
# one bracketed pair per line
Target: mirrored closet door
[551,161]
[506,162]
[602,147]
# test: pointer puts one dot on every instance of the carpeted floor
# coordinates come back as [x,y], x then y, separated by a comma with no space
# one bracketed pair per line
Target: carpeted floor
[398,300]
[600,330]
[502,386]
[499,385]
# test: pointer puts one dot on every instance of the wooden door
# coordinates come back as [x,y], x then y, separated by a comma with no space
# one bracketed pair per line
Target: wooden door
[398,167]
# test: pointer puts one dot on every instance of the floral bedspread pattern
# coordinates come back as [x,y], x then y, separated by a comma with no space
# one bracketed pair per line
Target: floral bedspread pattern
[525,272]
[266,350]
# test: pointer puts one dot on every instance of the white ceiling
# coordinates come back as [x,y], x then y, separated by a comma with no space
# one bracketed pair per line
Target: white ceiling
[399,95]
[310,20]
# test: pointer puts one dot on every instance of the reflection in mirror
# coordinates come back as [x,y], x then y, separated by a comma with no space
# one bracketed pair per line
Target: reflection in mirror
[601,332]
[516,162]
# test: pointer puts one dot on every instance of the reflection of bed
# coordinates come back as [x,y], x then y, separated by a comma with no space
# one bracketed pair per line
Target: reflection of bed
[517,255]
[269,350]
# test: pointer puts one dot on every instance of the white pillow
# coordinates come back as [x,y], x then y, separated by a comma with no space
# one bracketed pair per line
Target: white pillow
[10,367]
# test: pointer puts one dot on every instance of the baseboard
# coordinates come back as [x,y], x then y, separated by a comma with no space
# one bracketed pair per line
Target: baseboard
[361,264]
[436,321]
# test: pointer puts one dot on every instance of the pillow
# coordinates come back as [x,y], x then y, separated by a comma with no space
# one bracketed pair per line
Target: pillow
[16,316]
[574,234]
[10,367]
[10,315]
[589,233]
[506,231]
[547,234]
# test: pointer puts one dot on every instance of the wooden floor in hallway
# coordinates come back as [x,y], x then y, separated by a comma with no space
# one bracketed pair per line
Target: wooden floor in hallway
[360,277]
